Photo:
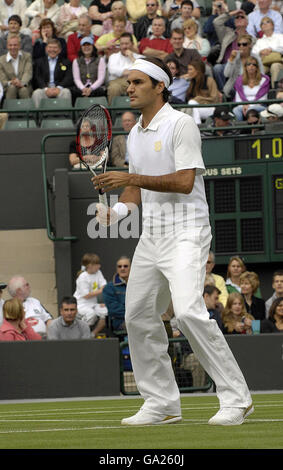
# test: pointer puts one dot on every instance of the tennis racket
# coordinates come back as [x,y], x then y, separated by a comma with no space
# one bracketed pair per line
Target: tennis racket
[94,134]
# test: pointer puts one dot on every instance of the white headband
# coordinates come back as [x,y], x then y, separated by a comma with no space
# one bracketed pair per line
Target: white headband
[152,70]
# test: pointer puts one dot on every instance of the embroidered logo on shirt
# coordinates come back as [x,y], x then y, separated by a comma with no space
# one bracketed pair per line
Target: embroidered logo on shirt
[157,146]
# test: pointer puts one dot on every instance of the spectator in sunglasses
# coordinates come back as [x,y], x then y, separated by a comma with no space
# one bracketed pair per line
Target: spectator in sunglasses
[228,37]
[270,42]
[251,86]
[114,294]
[252,118]
[143,27]
[255,18]
[236,62]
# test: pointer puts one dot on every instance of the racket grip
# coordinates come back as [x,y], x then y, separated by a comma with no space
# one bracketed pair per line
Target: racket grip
[103,199]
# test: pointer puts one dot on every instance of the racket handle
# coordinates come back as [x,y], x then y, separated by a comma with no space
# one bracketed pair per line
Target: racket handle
[103,199]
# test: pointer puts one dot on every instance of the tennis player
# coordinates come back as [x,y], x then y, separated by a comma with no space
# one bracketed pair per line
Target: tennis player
[165,174]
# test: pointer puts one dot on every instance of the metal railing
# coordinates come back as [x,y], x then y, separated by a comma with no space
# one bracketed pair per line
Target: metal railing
[189,374]
[50,232]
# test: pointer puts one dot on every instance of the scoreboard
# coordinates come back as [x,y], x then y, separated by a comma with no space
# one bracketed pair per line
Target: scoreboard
[244,189]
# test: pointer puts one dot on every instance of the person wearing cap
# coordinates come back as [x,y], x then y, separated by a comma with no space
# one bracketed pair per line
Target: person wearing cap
[221,117]
[3,286]
[165,175]
[89,71]
[274,113]
[74,40]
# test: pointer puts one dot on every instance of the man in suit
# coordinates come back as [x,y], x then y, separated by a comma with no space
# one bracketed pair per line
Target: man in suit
[52,74]
[16,70]
[119,156]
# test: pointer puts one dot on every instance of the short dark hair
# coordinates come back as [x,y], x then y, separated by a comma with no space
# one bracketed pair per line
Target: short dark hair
[177,65]
[277,273]
[16,18]
[187,2]
[127,35]
[68,299]
[209,289]
[54,41]
[177,31]
[165,68]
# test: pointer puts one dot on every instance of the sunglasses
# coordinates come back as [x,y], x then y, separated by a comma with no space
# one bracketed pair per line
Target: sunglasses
[244,44]
[240,17]
[251,63]
[151,4]
[122,266]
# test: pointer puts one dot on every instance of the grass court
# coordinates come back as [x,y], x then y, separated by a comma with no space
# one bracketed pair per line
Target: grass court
[95,424]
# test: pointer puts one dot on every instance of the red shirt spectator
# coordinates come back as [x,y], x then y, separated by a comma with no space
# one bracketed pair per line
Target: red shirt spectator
[74,44]
[157,45]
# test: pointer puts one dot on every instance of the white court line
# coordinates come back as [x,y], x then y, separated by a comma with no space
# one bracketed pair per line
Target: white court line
[107,409]
[93,428]
[51,420]
[73,412]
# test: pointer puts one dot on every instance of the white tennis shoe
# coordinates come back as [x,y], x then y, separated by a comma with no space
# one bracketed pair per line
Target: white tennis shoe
[143,417]
[231,416]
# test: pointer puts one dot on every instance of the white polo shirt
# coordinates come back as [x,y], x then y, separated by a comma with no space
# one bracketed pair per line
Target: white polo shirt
[171,142]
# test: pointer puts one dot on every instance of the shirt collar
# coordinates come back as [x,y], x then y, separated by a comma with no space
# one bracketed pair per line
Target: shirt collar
[67,324]
[49,58]
[80,35]
[9,57]
[156,121]
[155,37]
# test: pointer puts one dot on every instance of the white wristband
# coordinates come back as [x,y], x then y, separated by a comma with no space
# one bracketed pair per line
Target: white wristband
[121,210]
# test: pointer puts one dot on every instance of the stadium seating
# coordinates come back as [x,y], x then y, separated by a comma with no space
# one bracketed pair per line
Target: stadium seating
[57,124]
[22,124]
[19,108]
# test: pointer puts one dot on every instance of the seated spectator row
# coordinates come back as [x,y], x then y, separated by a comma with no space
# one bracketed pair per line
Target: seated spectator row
[97,307]
[70,51]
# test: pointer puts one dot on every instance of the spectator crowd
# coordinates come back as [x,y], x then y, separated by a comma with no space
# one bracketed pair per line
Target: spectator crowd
[96,308]
[84,48]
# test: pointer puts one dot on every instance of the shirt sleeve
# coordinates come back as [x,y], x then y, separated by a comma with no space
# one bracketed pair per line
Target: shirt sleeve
[101,74]
[83,287]
[187,146]
[101,281]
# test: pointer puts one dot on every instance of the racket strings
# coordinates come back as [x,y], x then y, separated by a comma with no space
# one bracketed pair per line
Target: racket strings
[93,135]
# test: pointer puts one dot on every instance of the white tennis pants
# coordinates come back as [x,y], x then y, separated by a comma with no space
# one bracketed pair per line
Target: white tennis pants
[177,262]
